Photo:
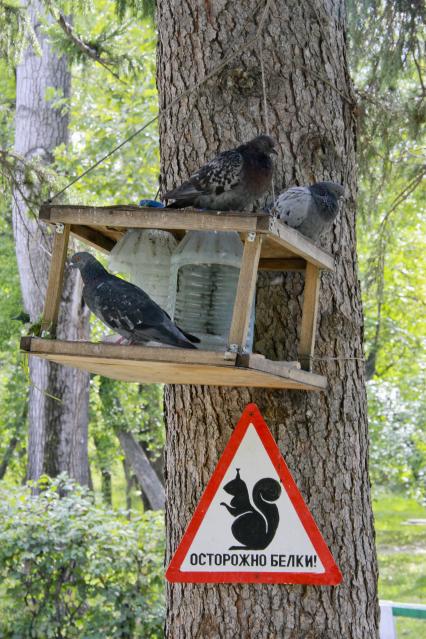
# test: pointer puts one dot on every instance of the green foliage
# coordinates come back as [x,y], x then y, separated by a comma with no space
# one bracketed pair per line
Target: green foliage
[13,419]
[95,37]
[138,8]
[386,44]
[7,104]
[385,36]
[75,569]
[398,449]
[15,30]
[136,408]
[13,416]
[113,95]
[104,112]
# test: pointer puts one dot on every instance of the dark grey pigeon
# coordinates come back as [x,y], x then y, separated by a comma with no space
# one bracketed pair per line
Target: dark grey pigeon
[233,180]
[310,209]
[126,308]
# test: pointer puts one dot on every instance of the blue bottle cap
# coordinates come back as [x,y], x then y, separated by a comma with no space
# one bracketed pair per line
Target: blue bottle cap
[152,203]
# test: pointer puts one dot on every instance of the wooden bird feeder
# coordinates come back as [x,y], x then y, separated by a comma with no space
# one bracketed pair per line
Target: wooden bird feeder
[268,245]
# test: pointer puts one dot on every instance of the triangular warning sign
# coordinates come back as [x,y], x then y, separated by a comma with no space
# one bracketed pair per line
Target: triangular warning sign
[252,524]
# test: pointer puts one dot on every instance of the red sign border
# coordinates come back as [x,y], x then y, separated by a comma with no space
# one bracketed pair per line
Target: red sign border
[332,575]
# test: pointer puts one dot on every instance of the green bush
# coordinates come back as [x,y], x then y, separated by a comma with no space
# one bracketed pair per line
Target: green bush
[71,568]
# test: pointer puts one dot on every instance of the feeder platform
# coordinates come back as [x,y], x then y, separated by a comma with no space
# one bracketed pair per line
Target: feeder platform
[160,365]
[268,245]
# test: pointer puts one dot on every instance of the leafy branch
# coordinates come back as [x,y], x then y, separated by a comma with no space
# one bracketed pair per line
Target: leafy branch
[94,52]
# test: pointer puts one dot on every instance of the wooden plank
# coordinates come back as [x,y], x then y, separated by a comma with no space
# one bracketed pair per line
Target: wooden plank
[295,242]
[252,360]
[290,370]
[93,237]
[245,293]
[282,264]
[271,249]
[281,240]
[55,280]
[175,373]
[134,352]
[145,217]
[309,316]
[211,369]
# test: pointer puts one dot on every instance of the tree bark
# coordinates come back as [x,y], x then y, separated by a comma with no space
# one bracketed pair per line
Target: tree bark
[323,436]
[58,410]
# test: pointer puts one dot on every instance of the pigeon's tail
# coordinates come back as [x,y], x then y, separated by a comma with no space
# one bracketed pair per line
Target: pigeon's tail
[174,336]
[178,204]
[166,336]
[187,190]
[192,338]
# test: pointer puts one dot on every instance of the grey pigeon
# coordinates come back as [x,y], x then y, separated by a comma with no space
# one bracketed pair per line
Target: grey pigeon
[126,308]
[310,209]
[231,181]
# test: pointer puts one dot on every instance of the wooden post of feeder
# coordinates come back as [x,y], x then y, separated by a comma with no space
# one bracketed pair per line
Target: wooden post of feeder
[56,276]
[245,292]
[309,316]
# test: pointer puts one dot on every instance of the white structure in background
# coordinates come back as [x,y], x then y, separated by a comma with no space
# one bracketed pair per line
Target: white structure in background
[387,622]
[391,609]
[144,254]
[204,276]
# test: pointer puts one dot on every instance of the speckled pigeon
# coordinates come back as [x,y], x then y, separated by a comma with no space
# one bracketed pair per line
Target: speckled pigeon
[310,209]
[126,308]
[231,181]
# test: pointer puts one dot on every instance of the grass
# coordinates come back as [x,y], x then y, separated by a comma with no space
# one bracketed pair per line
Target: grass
[401,549]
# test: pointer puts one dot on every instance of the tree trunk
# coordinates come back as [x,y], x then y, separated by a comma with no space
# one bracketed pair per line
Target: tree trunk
[143,470]
[106,477]
[57,427]
[4,463]
[129,484]
[323,436]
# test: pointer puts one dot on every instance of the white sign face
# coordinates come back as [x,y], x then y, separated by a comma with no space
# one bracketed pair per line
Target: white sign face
[262,530]
[252,524]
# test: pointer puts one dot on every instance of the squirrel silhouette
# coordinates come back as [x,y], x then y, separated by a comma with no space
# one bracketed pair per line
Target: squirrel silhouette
[253,527]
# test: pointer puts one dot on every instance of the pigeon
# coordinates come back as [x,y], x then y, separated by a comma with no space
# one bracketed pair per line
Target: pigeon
[310,209]
[126,308]
[231,181]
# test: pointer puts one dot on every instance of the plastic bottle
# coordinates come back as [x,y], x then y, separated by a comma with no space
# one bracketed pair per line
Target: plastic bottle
[144,254]
[204,276]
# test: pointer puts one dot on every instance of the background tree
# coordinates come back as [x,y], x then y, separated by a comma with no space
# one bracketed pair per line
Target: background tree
[105,99]
[58,403]
[310,108]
